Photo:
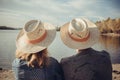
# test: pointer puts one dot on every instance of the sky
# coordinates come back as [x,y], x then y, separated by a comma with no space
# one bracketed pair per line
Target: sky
[15,13]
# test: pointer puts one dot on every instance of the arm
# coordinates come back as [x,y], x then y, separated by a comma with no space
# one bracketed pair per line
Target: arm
[104,68]
[18,73]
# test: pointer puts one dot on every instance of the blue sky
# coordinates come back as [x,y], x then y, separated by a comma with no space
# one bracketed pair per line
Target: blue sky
[15,13]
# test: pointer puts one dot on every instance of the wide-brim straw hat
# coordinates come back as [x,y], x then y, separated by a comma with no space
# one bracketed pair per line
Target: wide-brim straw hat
[35,36]
[80,33]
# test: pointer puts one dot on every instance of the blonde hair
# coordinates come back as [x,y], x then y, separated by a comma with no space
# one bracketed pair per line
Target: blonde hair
[38,59]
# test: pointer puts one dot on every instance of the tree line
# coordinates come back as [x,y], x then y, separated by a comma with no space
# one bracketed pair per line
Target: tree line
[109,25]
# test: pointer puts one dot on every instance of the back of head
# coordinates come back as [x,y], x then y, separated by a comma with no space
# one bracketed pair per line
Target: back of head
[79,33]
[32,42]
[38,59]
[35,36]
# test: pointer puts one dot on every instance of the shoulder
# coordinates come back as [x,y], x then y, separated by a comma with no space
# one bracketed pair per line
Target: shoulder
[101,57]
[105,53]
[102,53]
[99,53]
[66,59]
[53,60]
[91,54]
[18,63]
[53,63]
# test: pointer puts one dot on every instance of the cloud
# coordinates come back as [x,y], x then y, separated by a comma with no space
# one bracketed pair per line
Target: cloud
[59,12]
[13,18]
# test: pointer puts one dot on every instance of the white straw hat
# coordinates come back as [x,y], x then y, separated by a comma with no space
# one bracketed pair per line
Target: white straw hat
[79,33]
[35,36]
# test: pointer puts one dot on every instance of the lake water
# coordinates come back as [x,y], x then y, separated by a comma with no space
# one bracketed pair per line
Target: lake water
[57,49]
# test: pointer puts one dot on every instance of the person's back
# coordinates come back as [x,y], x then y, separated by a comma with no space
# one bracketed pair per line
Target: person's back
[81,34]
[24,72]
[32,61]
[87,65]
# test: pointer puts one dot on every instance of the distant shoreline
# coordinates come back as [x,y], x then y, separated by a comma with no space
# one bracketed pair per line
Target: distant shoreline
[9,28]
[111,34]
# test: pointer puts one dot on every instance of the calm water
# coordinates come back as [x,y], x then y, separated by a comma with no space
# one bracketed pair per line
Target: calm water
[57,49]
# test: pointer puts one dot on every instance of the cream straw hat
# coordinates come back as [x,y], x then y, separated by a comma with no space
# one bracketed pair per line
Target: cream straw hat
[35,36]
[79,33]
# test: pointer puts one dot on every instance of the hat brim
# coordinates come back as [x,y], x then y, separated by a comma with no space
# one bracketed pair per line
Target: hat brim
[33,48]
[94,36]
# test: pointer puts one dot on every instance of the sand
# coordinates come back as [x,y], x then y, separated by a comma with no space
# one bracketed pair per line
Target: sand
[116,72]
[8,74]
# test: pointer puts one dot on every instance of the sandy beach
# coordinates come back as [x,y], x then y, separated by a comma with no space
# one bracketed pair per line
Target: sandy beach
[116,72]
[8,74]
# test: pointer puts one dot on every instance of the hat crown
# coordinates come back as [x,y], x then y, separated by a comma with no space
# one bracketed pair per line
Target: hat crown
[77,25]
[31,26]
[34,29]
[78,28]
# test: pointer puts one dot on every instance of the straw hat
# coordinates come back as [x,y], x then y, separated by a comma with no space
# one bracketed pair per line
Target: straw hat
[79,33]
[35,36]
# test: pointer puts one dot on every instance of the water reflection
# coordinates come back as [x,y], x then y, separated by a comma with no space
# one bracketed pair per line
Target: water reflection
[57,49]
[111,45]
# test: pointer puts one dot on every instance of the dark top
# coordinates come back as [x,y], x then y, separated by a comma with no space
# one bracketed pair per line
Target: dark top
[22,72]
[88,65]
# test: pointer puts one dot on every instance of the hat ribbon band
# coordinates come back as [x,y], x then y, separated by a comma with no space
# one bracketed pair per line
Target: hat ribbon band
[78,39]
[38,39]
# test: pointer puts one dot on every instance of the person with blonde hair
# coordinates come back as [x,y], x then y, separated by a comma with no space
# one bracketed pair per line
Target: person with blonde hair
[32,61]
[88,64]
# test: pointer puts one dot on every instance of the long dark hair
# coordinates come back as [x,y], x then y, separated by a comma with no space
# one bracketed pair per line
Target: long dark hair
[38,59]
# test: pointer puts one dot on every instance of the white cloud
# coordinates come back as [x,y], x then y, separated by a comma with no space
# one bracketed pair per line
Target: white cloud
[59,12]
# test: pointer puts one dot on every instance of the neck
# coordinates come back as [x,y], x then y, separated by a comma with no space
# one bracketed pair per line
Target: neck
[81,50]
